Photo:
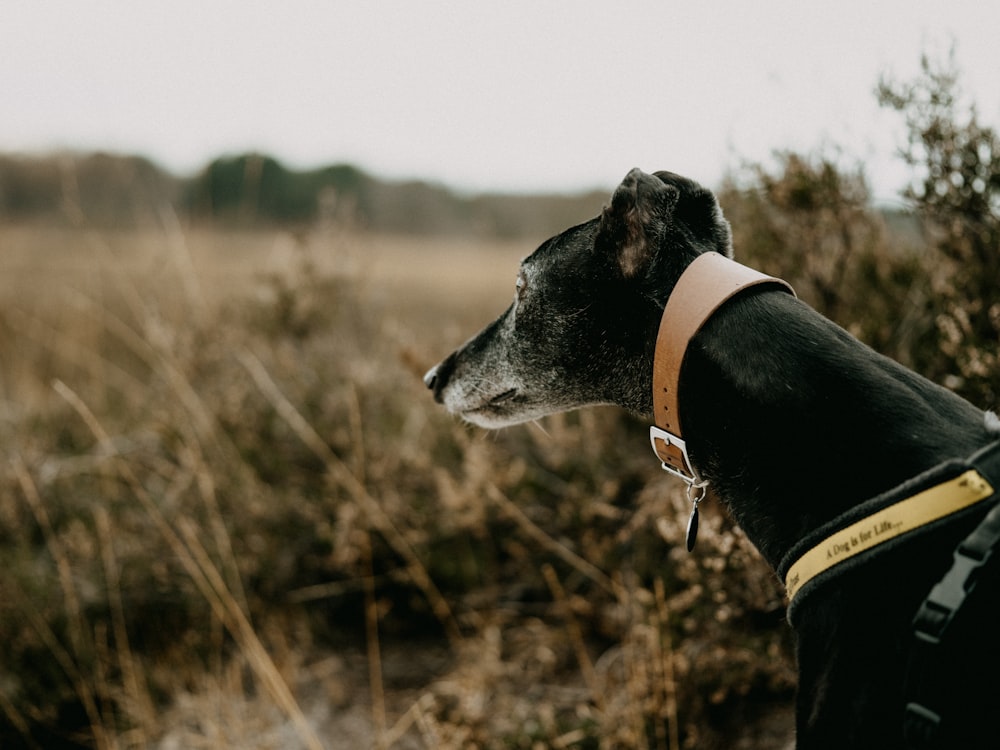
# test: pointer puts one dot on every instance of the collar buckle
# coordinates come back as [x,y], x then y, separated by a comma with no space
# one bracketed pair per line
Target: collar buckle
[674,459]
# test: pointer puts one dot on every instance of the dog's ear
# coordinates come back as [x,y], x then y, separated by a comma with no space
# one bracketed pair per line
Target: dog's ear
[635,222]
[699,212]
[646,209]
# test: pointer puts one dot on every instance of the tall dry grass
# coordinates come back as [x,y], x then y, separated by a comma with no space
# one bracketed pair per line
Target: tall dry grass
[232,517]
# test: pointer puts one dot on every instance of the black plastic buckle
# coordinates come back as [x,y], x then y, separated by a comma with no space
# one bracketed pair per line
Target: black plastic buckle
[945,599]
[920,726]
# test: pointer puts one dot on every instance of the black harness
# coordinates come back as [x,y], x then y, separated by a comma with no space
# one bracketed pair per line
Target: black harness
[923,688]
[929,681]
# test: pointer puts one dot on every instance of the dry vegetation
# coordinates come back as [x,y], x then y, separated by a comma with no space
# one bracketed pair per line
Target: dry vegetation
[232,517]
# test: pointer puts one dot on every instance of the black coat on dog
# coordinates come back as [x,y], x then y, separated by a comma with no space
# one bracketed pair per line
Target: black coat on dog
[791,419]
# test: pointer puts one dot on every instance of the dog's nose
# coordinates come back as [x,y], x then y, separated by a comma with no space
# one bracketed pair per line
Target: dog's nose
[430,379]
[437,377]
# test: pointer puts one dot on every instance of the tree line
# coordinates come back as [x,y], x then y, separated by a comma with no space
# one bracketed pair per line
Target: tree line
[258,190]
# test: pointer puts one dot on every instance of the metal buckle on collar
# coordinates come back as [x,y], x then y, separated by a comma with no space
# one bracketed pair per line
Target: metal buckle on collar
[696,486]
[687,472]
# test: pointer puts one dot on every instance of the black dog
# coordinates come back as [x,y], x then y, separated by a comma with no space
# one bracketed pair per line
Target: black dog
[799,428]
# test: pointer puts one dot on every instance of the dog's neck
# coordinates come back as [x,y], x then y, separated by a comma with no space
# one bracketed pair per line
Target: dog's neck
[793,421]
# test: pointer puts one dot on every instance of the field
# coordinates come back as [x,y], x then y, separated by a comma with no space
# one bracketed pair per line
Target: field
[232,516]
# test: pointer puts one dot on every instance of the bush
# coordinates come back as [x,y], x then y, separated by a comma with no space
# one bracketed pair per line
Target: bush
[259,482]
[956,193]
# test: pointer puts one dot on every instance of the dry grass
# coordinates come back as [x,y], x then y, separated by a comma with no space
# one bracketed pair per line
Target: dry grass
[232,517]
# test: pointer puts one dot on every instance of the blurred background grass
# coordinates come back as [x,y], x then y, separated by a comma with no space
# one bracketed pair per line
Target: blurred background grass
[231,516]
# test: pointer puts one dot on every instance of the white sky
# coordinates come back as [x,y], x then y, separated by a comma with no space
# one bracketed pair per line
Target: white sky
[510,95]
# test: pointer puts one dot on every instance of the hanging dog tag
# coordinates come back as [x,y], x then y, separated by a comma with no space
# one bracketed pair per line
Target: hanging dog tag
[692,532]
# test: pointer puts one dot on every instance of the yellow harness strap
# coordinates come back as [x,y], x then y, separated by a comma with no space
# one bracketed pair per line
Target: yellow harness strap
[919,510]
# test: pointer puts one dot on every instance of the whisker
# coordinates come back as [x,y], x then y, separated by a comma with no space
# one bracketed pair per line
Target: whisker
[485,387]
[539,426]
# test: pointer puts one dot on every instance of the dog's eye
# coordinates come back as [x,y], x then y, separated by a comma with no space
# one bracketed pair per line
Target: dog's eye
[520,285]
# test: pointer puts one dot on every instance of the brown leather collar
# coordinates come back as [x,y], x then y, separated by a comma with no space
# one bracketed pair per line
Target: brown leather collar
[706,284]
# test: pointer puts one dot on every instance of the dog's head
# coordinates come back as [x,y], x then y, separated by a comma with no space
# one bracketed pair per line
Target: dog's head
[587,303]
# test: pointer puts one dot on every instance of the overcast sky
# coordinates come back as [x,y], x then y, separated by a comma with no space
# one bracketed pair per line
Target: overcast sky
[504,95]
